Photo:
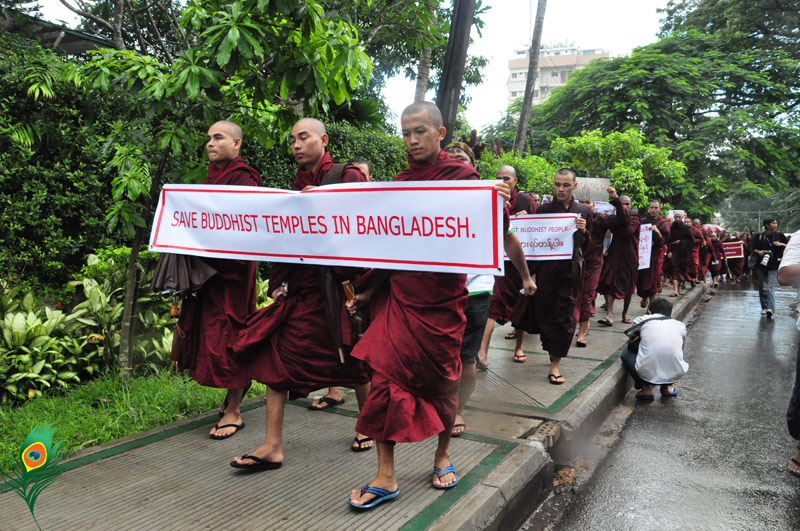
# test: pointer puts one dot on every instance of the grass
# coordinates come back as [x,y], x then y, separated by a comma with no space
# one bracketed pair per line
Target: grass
[106,409]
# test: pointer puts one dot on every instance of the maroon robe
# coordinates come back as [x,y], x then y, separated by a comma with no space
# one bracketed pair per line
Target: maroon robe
[681,241]
[289,345]
[621,263]
[648,281]
[593,259]
[698,242]
[717,254]
[413,343]
[209,320]
[507,288]
[558,283]
[736,265]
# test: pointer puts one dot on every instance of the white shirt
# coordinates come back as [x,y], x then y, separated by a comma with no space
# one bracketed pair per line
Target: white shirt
[660,357]
[480,284]
[791,254]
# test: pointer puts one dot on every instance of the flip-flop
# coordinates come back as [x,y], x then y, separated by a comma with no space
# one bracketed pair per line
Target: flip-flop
[258,466]
[627,320]
[511,335]
[641,396]
[580,344]
[605,322]
[449,469]
[218,427]
[554,379]
[520,359]
[360,443]
[644,302]
[481,366]
[797,463]
[459,425]
[380,497]
[328,401]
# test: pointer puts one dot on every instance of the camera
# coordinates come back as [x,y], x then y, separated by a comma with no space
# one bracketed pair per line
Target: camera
[765,258]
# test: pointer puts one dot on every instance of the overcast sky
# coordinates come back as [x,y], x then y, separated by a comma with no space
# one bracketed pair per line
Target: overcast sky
[615,25]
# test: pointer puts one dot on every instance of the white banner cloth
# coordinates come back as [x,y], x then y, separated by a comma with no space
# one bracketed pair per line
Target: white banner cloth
[645,246]
[545,236]
[591,189]
[443,226]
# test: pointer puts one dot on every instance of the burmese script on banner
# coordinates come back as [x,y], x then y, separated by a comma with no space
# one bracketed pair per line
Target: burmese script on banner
[733,249]
[645,245]
[545,236]
[443,226]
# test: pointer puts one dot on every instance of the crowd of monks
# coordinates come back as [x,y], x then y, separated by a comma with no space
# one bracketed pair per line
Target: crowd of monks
[399,340]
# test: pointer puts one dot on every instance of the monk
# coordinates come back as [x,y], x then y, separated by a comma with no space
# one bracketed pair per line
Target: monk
[717,257]
[559,281]
[291,345]
[413,344]
[507,288]
[593,263]
[735,265]
[479,288]
[648,281]
[618,278]
[681,241]
[207,322]
[698,251]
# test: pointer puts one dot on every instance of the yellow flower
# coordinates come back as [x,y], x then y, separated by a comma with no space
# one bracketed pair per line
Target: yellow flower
[31,393]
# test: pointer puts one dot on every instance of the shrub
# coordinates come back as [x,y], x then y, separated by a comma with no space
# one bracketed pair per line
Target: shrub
[535,174]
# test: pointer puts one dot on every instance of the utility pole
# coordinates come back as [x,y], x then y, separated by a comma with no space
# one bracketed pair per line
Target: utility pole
[455,60]
[533,70]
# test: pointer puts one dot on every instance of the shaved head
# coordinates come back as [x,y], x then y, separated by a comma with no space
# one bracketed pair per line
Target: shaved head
[434,114]
[567,171]
[232,127]
[312,124]
[655,202]
[625,198]
[509,169]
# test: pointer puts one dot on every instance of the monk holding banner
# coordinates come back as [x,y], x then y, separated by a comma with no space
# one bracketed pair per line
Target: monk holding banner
[413,344]
[299,343]
[558,281]
[618,279]
[206,325]
[648,281]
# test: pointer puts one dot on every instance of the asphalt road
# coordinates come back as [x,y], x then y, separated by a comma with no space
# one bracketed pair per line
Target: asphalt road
[714,457]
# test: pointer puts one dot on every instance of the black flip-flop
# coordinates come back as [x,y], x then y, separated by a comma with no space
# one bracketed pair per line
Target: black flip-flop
[360,443]
[218,427]
[258,466]
[328,401]
[580,344]
[554,379]
[605,322]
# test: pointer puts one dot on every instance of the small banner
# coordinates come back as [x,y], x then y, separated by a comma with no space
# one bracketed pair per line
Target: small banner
[441,226]
[604,208]
[645,245]
[733,249]
[545,236]
[671,214]
[591,189]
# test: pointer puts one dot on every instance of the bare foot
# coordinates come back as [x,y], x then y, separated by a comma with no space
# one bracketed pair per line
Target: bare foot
[274,455]
[458,427]
[442,462]
[381,483]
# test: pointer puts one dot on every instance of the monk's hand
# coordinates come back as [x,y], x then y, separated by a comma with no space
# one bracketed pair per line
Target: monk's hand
[521,213]
[503,189]
[612,192]
[278,292]
[528,287]
[581,224]
[352,306]
[309,187]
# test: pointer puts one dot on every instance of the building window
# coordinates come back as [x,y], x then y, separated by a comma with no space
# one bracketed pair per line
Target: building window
[513,94]
[554,73]
[524,75]
[535,93]
[514,75]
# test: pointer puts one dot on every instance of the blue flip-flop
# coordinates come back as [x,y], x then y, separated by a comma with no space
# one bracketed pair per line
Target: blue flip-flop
[670,395]
[449,469]
[381,496]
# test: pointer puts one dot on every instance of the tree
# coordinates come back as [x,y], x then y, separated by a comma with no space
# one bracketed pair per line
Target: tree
[533,71]
[729,114]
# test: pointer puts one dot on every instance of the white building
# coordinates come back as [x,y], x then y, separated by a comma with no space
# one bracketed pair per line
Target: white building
[556,64]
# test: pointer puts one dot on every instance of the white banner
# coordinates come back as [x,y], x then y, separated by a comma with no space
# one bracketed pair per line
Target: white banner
[591,189]
[545,236]
[671,214]
[444,226]
[605,208]
[645,245]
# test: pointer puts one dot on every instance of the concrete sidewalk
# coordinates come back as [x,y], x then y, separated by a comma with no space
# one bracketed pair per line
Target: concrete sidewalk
[175,477]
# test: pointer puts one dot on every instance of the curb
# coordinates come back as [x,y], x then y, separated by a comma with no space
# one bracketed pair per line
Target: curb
[503,500]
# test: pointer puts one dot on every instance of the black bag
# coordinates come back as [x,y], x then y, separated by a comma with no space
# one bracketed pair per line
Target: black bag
[634,333]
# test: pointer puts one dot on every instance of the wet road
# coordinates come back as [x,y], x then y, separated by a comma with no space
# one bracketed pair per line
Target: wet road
[715,457]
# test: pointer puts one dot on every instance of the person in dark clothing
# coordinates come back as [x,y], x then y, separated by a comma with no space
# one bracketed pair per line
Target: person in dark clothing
[769,246]
[789,275]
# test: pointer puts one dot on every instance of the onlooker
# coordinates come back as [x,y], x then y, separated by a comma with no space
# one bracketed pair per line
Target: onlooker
[769,246]
[789,274]
[658,360]
[363,165]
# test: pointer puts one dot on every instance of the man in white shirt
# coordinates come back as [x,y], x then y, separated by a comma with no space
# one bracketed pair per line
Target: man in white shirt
[659,357]
[789,275]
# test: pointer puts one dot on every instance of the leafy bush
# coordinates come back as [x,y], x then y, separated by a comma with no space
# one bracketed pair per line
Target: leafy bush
[535,174]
